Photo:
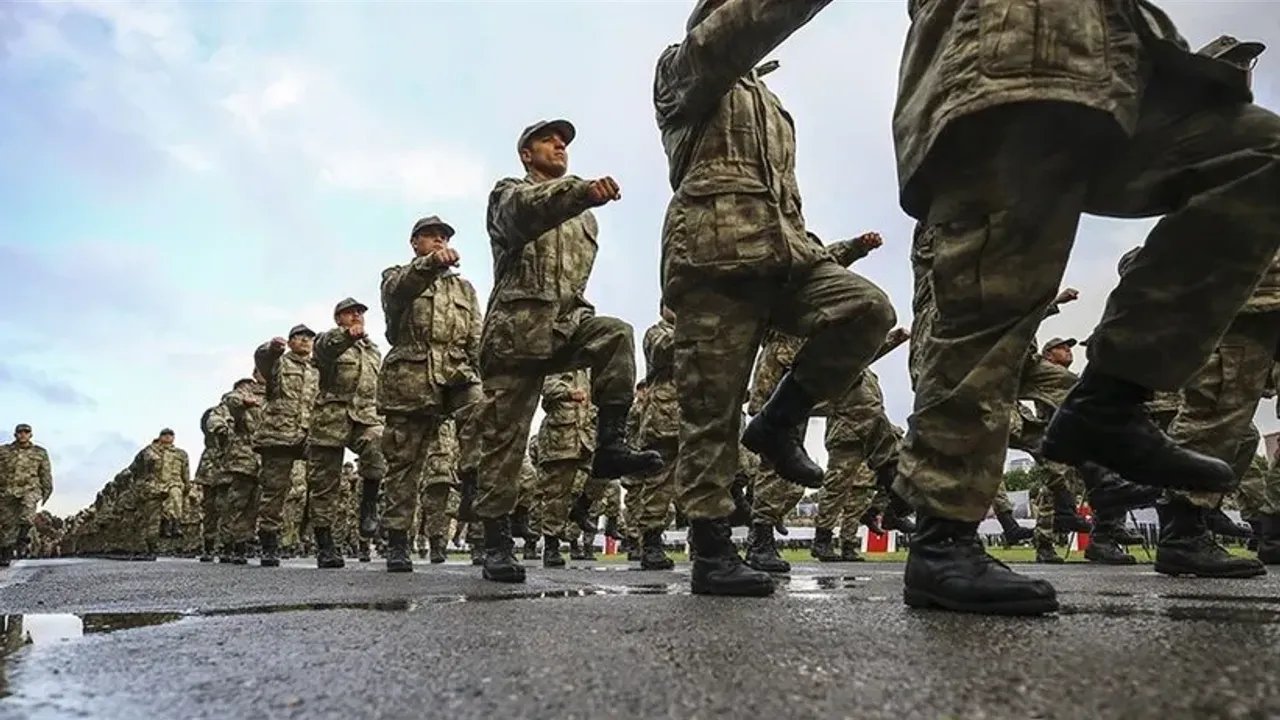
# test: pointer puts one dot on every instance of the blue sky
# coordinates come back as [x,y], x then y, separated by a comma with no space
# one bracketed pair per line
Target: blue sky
[179,182]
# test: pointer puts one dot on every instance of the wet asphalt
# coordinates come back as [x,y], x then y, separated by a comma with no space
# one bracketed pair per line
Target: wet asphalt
[176,639]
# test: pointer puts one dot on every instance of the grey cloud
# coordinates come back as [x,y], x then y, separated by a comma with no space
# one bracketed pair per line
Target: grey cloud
[80,471]
[50,390]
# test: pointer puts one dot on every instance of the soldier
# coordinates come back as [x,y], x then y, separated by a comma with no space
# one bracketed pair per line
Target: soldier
[292,535]
[433,326]
[242,466]
[1008,126]
[292,386]
[344,416]
[160,473]
[543,237]
[215,425]
[26,481]
[659,430]
[565,441]
[737,260]
[439,477]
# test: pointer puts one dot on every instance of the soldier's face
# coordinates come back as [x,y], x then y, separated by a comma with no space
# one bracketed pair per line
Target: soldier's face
[301,344]
[549,155]
[429,241]
[1061,355]
[23,436]
[349,317]
[166,439]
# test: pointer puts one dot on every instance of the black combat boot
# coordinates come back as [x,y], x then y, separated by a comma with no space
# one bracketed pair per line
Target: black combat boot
[871,519]
[654,555]
[531,550]
[1186,546]
[1104,420]
[398,560]
[849,549]
[224,558]
[1046,554]
[580,513]
[635,550]
[717,567]
[1125,536]
[948,568]
[1065,519]
[240,553]
[588,545]
[611,527]
[207,557]
[364,550]
[500,564]
[467,490]
[1219,523]
[762,552]
[520,523]
[823,547]
[1104,548]
[614,457]
[1109,492]
[682,520]
[327,556]
[551,555]
[1255,533]
[897,514]
[1014,534]
[369,488]
[741,516]
[1269,539]
[477,555]
[270,548]
[777,434]
[575,550]
[439,551]
[6,556]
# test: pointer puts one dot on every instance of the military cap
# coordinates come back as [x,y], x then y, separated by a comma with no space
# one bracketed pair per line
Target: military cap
[22,427]
[166,431]
[563,127]
[301,330]
[241,383]
[1229,49]
[348,304]
[432,222]
[1055,342]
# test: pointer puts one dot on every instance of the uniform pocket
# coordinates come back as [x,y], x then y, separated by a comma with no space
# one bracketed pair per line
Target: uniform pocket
[1064,38]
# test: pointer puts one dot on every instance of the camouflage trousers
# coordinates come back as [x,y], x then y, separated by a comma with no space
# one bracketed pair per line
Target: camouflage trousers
[859,439]
[847,486]
[275,482]
[773,498]
[1008,188]
[557,480]
[597,491]
[213,507]
[654,493]
[631,505]
[843,316]
[324,472]
[241,508]
[1001,502]
[1218,404]
[1042,504]
[408,443]
[512,390]
[16,512]
[436,518]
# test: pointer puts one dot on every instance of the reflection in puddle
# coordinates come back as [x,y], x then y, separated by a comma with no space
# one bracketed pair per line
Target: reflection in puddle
[1209,613]
[813,583]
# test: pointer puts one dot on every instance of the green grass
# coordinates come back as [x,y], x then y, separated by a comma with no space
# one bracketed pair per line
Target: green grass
[1008,555]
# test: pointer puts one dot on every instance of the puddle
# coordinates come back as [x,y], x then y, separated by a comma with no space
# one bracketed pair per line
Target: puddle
[814,583]
[382,606]
[1209,613]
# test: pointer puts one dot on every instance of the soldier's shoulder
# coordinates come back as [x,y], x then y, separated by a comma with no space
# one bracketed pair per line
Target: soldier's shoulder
[506,183]
[393,269]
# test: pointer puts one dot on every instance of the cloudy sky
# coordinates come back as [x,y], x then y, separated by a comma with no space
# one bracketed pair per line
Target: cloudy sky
[179,182]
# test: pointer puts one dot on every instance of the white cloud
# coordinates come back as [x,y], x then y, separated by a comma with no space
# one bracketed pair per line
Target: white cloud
[191,156]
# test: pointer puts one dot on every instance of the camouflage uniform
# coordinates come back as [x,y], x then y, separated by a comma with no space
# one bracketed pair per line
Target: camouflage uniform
[439,480]
[735,256]
[292,533]
[565,442]
[1092,106]
[241,464]
[159,476]
[292,386]
[859,438]
[659,429]
[430,374]
[539,323]
[344,417]
[215,425]
[26,481]
[772,498]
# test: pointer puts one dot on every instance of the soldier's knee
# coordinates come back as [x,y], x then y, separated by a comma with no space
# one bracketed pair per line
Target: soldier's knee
[868,309]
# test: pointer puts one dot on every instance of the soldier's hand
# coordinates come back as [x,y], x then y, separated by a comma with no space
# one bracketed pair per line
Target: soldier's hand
[578,395]
[278,343]
[251,401]
[897,336]
[1068,295]
[869,241]
[604,190]
[447,257]
[356,331]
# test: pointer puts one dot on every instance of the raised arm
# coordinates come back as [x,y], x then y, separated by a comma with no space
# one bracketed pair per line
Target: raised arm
[520,211]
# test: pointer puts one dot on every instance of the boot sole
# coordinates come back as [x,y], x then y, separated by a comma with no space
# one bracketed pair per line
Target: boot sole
[659,568]
[268,563]
[513,579]
[921,600]
[749,442]
[399,569]
[1239,574]
[752,591]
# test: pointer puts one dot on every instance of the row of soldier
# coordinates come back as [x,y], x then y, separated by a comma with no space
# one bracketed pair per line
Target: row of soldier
[1005,133]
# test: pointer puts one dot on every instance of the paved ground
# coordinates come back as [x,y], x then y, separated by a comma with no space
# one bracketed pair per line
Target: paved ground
[174,639]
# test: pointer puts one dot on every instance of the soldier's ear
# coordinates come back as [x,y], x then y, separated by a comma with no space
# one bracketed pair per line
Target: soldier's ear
[526,156]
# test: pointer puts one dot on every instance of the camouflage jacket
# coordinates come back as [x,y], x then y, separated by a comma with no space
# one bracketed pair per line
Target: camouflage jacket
[159,468]
[292,385]
[215,425]
[1266,297]
[660,420]
[543,238]
[965,56]
[245,408]
[25,471]
[568,428]
[433,325]
[348,386]
[730,149]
